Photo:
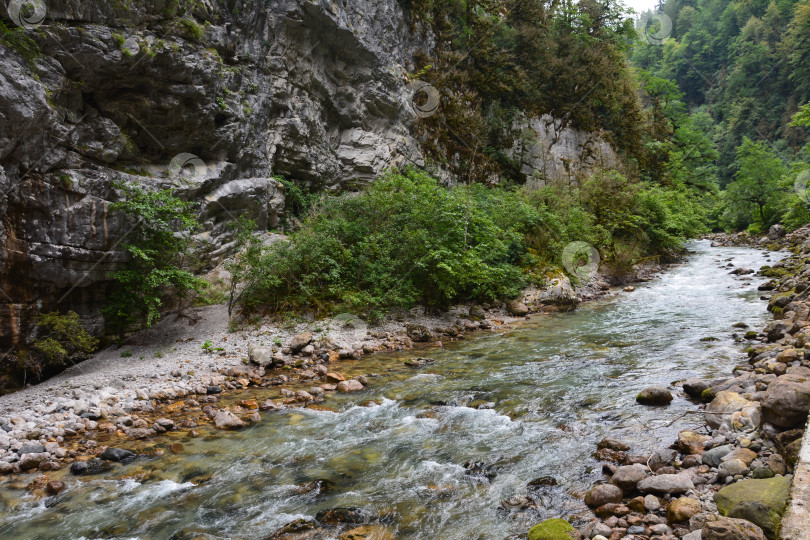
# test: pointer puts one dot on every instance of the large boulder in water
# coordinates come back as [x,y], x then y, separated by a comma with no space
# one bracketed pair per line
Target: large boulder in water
[787,400]
[654,395]
[227,420]
[694,387]
[553,529]
[760,501]
[117,454]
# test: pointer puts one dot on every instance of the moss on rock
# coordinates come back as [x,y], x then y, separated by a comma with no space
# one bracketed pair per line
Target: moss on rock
[552,529]
[760,501]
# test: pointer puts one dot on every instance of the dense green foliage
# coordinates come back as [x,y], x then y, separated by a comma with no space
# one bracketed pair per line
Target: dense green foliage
[497,62]
[158,243]
[407,240]
[62,339]
[738,71]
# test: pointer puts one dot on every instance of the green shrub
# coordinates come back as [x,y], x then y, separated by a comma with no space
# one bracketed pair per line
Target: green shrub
[407,240]
[191,29]
[63,339]
[158,244]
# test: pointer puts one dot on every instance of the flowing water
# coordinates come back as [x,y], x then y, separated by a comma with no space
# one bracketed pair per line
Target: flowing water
[525,403]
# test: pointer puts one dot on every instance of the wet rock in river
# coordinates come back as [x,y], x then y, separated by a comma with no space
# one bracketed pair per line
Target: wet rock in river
[518,503]
[481,470]
[294,530]
[418,332]
[335,378]
[349,386]
[54,486]
[654,395]
[542,481]
[117,454]
[419,362]
[368,532]
[91,466]
[613,456]
[227,420]
[612,444]
[337,516]
[694,387]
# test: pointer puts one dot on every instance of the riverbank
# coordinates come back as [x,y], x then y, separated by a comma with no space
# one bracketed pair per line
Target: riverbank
[181,374]
[732,477]
[463,446]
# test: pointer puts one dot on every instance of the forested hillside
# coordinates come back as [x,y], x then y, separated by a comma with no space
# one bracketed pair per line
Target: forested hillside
[734,75]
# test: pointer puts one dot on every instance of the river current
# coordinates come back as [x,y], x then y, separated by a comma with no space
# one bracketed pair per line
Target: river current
[528,402]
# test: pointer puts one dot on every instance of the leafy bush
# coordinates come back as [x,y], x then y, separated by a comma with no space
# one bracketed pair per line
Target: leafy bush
[406,240]
[158,244]
[191,29]
[62,339]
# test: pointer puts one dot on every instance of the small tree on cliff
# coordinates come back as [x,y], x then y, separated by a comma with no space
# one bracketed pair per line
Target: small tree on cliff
[158,244]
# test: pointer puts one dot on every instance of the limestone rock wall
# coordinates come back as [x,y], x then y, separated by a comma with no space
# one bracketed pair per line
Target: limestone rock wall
[211,98]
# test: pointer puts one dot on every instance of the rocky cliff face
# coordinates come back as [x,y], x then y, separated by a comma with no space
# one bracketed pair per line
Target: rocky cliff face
[210,98]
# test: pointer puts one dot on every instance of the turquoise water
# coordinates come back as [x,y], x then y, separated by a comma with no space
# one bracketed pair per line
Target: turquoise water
[550,388]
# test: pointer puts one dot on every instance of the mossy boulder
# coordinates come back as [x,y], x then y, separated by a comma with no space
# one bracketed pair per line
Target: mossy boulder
[760,501]
[553,529]
[654,395]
